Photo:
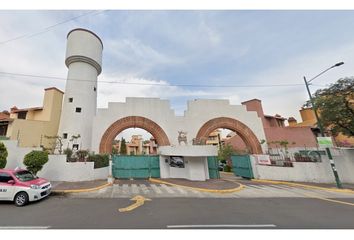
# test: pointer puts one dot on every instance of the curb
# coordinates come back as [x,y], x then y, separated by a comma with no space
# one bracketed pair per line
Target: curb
[82,190]
[305,186]
[231,190]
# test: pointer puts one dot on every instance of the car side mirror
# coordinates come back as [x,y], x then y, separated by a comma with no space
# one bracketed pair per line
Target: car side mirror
[11,182]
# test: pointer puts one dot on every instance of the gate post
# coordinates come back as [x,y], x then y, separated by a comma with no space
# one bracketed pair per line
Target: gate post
[110,173]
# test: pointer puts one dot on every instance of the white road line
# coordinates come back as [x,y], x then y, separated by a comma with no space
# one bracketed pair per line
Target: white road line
[24,227]
[255,186]
[115,189]
[156,189]
[125,189]
[223,226]
[199,194]
[144,188]
[168,189]
[135,189]
[181,190]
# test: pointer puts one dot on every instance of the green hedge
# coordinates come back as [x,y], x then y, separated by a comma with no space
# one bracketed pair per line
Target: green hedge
[35,160]
[100,160]
[3,155]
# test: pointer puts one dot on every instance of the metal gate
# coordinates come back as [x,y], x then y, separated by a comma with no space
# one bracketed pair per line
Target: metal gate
[241,166]
[135,166]
[213,168]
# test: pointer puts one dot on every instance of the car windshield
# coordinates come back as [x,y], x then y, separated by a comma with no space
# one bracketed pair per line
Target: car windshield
[25,176]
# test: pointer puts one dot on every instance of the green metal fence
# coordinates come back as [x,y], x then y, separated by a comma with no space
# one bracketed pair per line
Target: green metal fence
[135,166]
[213,167]
[241,166]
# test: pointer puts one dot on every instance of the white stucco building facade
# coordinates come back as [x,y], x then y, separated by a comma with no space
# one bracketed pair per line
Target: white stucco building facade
[95,129]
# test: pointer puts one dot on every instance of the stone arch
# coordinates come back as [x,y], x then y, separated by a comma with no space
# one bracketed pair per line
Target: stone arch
[136,122]
[241,129]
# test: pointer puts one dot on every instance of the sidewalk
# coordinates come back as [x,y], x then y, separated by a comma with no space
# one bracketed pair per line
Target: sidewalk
[328,185]
[62,187]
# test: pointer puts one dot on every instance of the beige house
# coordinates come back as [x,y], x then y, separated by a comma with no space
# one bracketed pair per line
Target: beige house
[30,125]
[138,146]
[214,138]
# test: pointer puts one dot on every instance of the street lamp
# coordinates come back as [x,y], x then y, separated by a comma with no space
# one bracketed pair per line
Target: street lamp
[339,184]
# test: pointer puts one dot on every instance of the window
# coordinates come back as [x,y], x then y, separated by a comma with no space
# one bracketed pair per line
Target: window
[4,177]
[22,115]
[78,110]
[65,135]
[71,99]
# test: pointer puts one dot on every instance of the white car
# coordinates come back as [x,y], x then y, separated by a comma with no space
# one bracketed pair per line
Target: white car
[21,186]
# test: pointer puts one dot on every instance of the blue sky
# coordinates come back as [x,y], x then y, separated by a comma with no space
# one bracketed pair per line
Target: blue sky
[234,47]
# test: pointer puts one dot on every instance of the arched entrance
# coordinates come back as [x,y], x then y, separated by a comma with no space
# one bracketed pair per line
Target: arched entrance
[132,122]
[241,129]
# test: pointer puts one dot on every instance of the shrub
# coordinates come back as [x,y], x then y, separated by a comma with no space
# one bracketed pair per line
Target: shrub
[81,155]
[227,168]
[68,152]
[100,160]
[35,160]
[3,155]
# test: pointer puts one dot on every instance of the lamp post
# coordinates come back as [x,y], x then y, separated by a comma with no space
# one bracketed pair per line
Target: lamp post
[338,182]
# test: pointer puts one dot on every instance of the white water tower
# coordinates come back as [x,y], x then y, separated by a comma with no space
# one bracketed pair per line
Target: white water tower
[84,62]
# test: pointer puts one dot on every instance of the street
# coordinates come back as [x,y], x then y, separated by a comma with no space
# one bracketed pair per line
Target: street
[58,212]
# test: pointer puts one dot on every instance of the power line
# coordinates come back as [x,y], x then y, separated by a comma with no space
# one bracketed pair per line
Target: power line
[156,84]
[47,29]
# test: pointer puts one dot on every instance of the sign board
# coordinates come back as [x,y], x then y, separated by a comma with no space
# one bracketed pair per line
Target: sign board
[325,142]
[263,159]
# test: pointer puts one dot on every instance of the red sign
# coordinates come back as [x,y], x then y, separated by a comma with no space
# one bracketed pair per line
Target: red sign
[263,159]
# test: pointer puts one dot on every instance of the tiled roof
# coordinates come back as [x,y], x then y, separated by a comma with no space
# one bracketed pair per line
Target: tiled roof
[3,116]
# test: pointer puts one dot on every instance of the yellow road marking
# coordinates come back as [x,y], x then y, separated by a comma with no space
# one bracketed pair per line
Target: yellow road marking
[82,190]
[140,200]
[231,190]
[329,200]
[305,186]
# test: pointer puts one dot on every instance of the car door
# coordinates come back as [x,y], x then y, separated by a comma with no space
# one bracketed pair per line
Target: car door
[6,189]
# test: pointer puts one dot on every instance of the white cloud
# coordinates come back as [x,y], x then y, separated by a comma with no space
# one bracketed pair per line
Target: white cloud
[287,101]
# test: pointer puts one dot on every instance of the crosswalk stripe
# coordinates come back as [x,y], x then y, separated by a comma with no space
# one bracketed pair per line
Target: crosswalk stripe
[156,189]
[168,189]
[254,186]
[114,190]
[199,194]
[125,189]
[280,187]
[181,190]
[135,189]
[144,188]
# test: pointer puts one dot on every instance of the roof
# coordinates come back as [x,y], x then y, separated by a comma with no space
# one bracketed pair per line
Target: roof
[276,116]
[26,109]
[3,116]
[308,123]
[254,99]
[54,88]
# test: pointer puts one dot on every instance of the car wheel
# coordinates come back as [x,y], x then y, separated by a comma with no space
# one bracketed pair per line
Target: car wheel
[21,199]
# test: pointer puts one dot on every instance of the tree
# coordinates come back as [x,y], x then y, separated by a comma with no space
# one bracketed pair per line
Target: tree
[123,147]
[335,106]
[57,143]
[3,155]
[225,153]
[35,161]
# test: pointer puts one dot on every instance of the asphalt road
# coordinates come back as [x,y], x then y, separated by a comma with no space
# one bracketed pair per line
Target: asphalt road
[173,213]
